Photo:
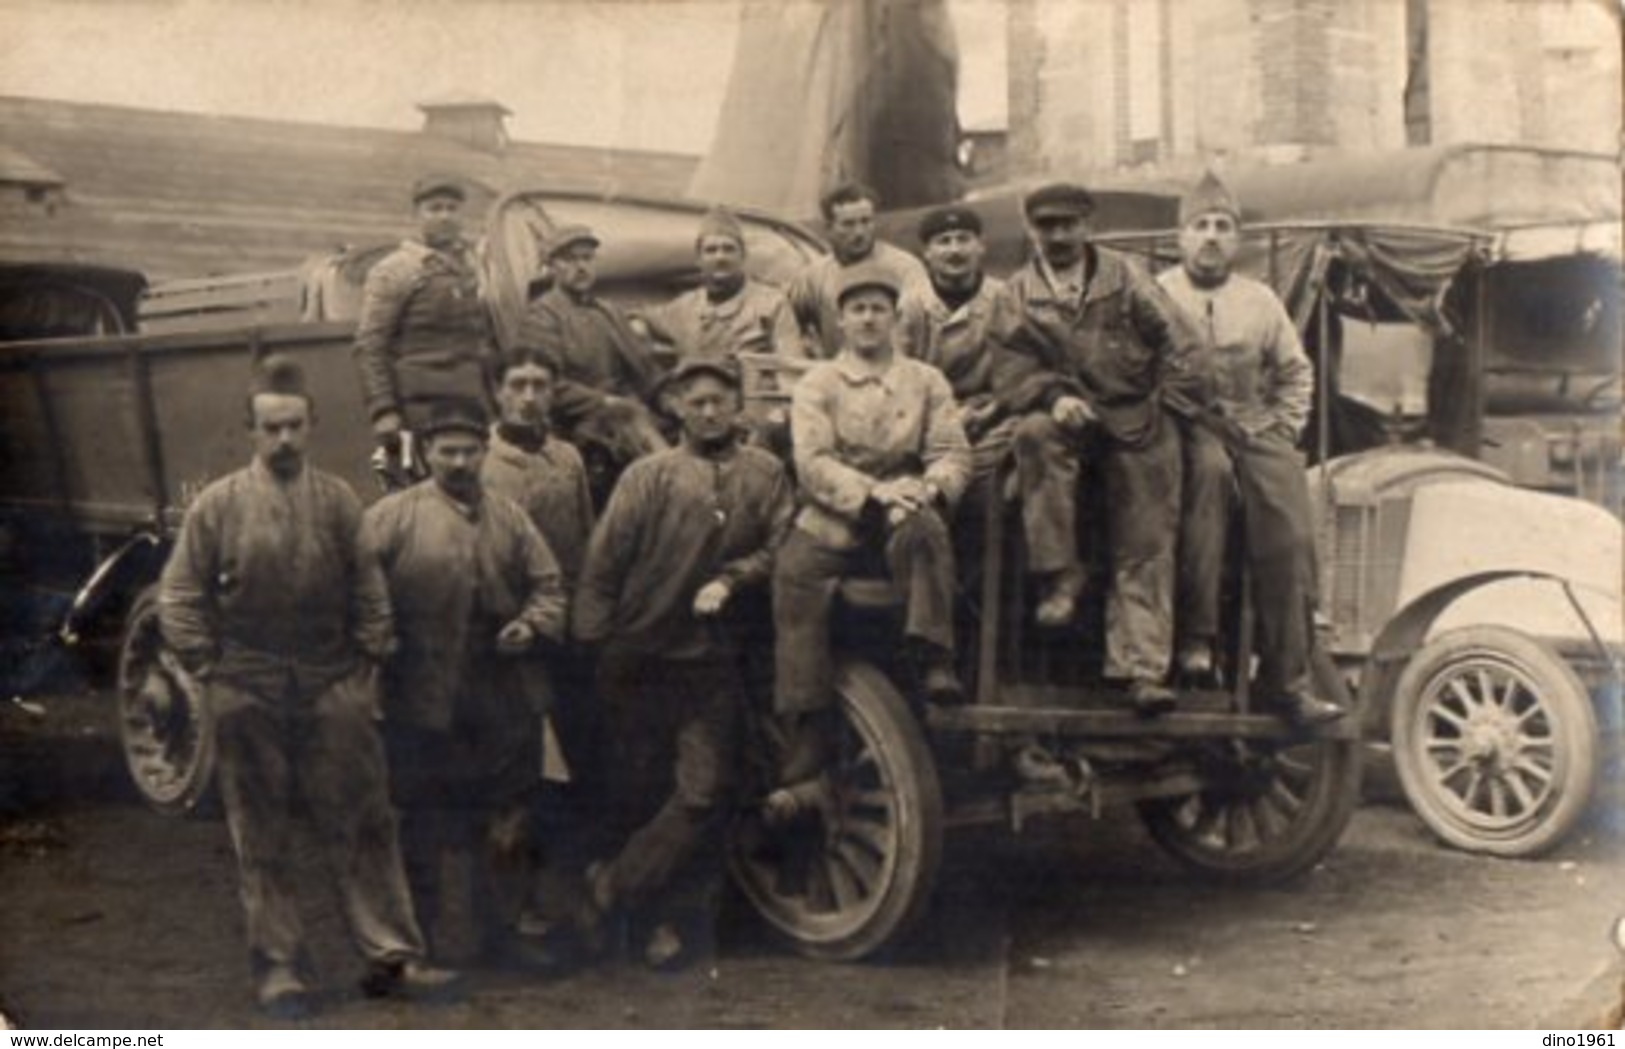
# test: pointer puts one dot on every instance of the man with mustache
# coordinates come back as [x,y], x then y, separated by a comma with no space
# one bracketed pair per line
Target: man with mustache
[1246,443]
[423,334]
[688,536]
[729,313]
[265,600]
[476,592]
[957,323]
[849,218]
[1098,351]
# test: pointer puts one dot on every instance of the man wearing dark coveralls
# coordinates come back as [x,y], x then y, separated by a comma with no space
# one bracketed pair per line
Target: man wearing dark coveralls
[1101,348]
[849,218]
[267,602]
[881,459]
[424,334]
[475,591]
[544,475]
[1248,441]
[685,532]
[607,373]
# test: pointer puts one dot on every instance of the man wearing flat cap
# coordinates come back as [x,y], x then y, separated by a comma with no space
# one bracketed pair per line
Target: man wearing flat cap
[424,334]
[956,324]
[266,601]
[881,460]
[608,376]
[849,218]
[1247,443]
[1098,350]
[729,313]
[478,599]
[684,546]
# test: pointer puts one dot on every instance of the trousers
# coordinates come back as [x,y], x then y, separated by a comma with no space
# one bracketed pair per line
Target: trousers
[918,556]
[275,751]
[1268,476]
[1142,490]
[673,741]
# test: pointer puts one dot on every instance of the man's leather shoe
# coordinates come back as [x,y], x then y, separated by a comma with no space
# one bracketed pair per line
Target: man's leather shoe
[1304,709]
[1195,660]
[284,996]
[940,683]
[1059,604]
[411,979]
[1150,698]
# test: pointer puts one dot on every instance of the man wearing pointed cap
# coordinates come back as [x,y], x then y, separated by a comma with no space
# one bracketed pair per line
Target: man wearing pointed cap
[881,460]
[729,313]
[849,218]
[423,334]
[1098,349]
[478,602]
[266,601]
[675,576]
[1246,443]
[608,376]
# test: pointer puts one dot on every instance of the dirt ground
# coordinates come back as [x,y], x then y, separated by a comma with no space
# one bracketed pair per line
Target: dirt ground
[112,916]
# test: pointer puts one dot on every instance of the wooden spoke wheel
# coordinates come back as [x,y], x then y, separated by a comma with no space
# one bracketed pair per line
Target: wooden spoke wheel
[1495,741]
[849,879]
[1270,810]
[165,726]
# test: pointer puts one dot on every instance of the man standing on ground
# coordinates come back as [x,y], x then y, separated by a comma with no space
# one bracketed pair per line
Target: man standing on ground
[686,533]
[1248,441]
[475,591]
[849,217]
[266,601]
[424,334]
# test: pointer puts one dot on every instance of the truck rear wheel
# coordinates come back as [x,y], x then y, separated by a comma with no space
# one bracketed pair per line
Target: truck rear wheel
[1495,741]
[164,723]
[852,881]
[1272,809]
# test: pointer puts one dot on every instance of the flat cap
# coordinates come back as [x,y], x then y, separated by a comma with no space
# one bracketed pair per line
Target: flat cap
[564,236]
[1058,198]
[438,186]
[692,367]
[867,275]
[457,415]
[280,374]
[948,219]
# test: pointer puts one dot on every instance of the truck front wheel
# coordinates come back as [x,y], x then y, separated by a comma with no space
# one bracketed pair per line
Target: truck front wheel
[164,723]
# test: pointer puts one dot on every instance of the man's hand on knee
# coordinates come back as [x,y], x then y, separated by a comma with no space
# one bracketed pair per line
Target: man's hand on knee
[1072,413]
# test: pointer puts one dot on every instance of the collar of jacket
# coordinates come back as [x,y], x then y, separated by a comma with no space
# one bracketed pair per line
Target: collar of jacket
[1104,274]
[972,307]
[855,371]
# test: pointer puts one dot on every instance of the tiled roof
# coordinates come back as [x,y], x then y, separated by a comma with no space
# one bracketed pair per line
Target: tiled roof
[181,195]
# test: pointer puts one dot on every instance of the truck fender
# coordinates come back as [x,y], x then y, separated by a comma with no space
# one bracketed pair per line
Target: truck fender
[109,579]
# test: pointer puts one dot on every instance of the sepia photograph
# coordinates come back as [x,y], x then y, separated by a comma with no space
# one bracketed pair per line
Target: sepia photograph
[812,514]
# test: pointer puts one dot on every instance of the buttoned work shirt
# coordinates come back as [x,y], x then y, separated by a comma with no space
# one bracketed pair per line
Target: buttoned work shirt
[755,319]
[958,341]
[1263,378]
[855,424]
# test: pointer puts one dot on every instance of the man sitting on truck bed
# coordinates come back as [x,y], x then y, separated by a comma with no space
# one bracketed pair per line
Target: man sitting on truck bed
[424,333]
